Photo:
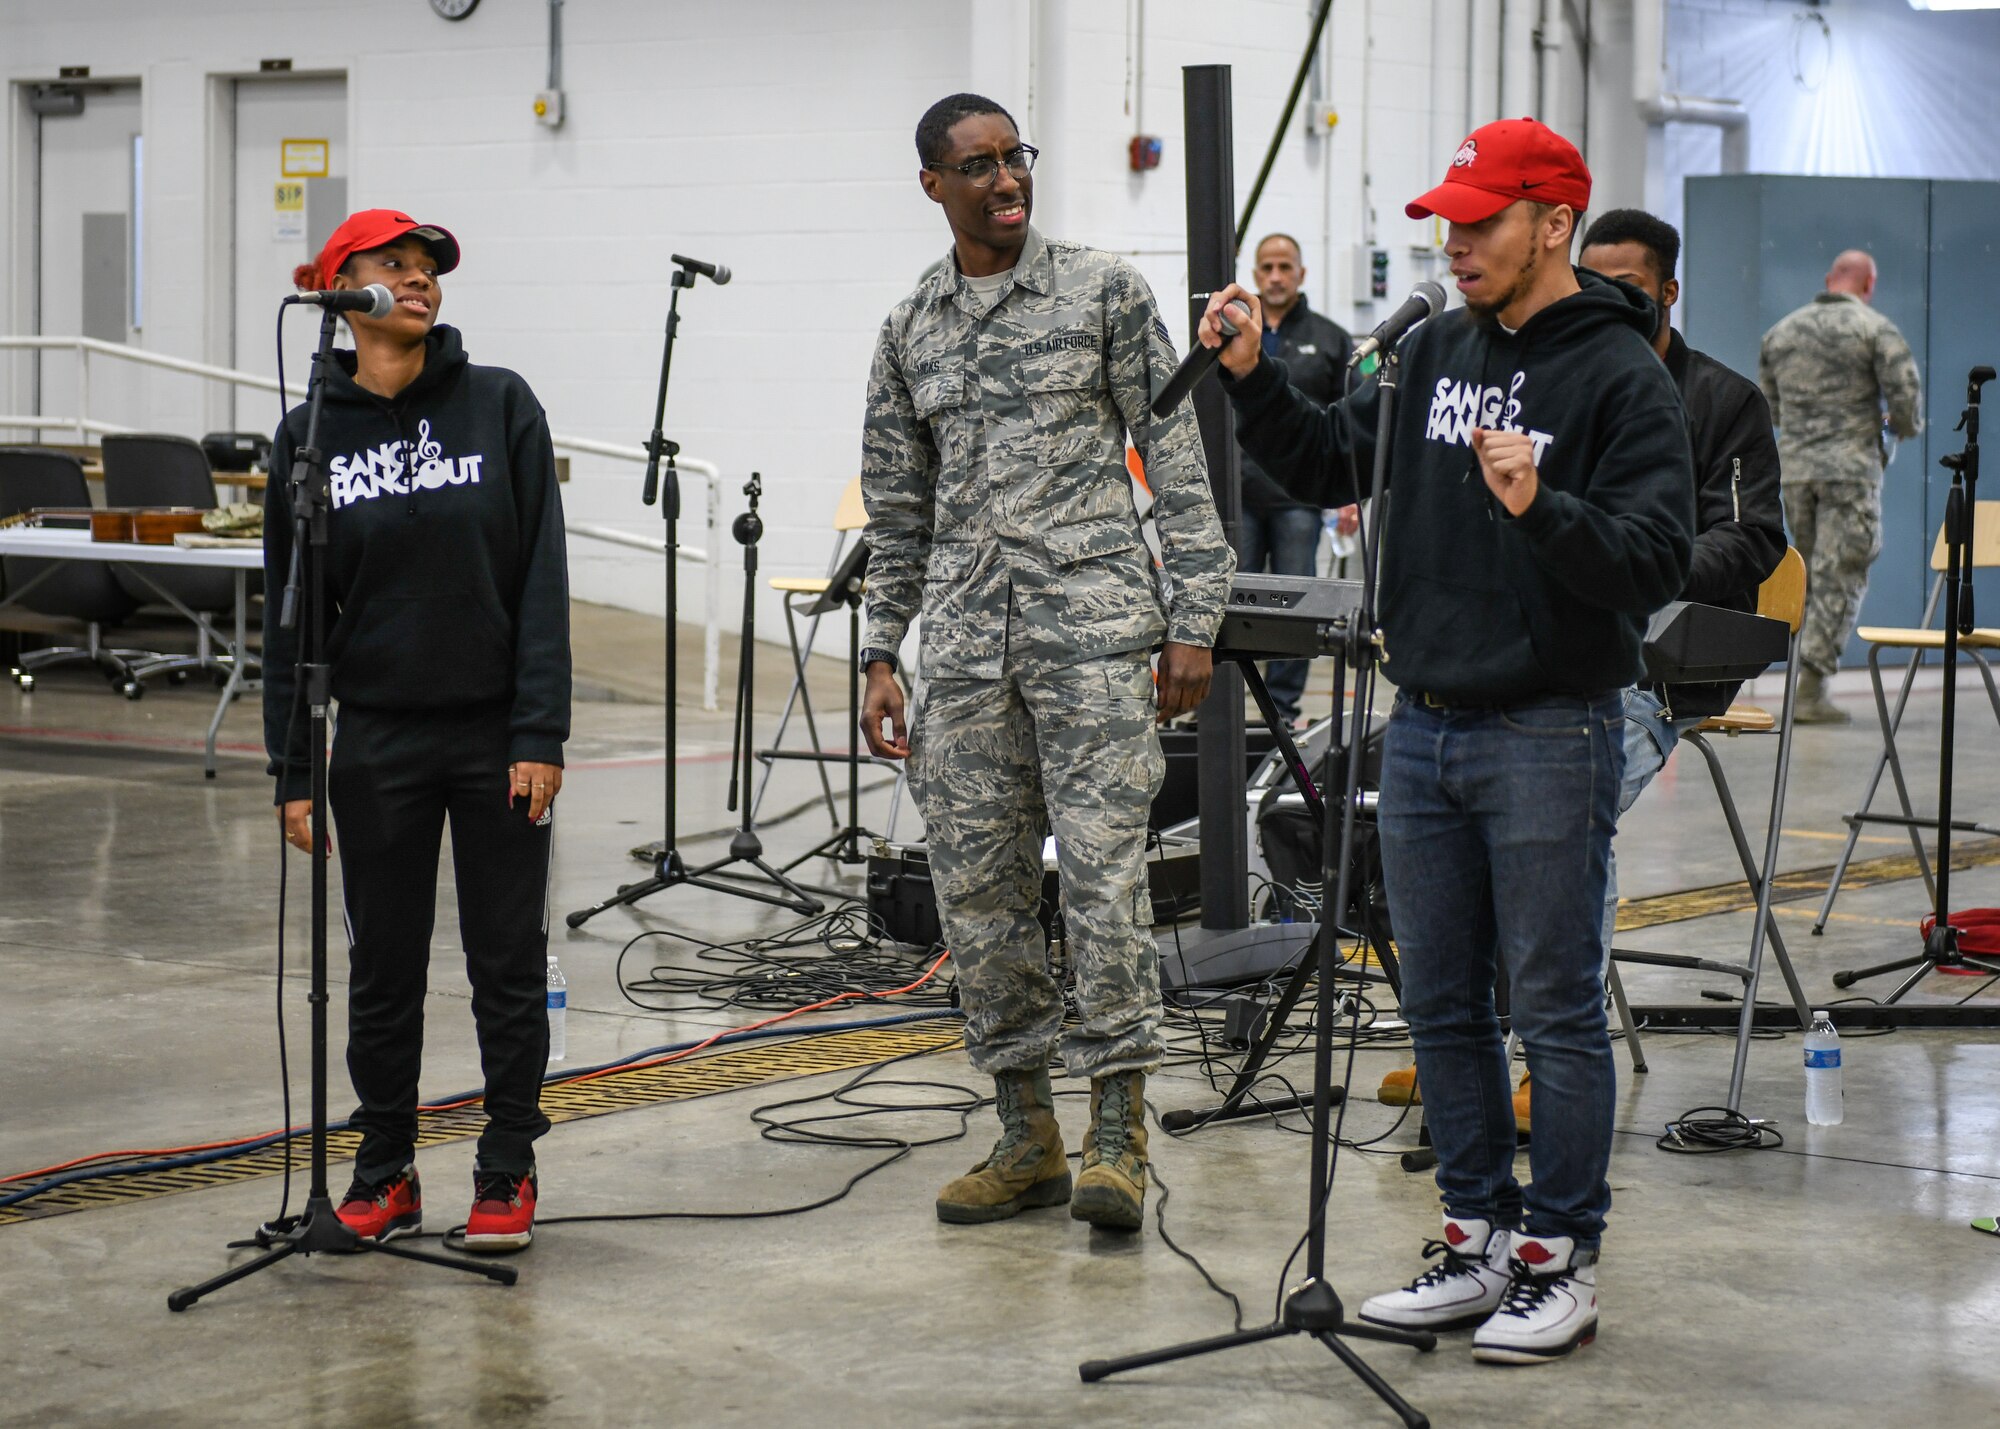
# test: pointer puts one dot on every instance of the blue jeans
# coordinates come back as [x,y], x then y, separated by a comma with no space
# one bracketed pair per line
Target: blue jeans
[1650,738]
[1288,538]
[1496,833]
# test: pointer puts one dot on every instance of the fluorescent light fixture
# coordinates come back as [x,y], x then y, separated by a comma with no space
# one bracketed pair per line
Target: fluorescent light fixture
[1955,4]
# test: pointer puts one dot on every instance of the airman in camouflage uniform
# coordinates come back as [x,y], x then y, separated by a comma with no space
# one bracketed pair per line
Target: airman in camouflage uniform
[1832,371]
[993,469]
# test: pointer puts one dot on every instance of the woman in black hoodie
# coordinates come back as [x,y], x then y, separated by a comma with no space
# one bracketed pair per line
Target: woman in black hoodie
[448,642]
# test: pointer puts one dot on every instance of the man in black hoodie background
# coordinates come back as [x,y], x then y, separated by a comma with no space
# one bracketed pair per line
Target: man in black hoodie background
[1279,532]
[1739,510]
[1540,509]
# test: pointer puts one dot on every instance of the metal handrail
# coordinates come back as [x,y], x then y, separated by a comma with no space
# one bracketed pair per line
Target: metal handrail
[711,476]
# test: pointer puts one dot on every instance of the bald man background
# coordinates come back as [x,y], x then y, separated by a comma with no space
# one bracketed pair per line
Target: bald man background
[1836,373]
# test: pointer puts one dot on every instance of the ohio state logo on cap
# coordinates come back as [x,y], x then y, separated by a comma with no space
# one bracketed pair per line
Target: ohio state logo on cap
[1467,152]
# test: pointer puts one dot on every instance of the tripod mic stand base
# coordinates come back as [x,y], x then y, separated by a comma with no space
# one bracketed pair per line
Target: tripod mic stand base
[319,1231]
[848,845]
[1311,1309]
[672,872]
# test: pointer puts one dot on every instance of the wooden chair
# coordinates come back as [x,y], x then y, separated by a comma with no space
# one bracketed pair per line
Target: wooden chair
[1920,641]
[799,592]
[1781,597]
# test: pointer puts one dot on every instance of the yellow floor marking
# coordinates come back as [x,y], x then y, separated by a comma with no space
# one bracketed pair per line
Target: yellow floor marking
[1906,924]
[731,1069]
[1841,838]
[1794,887]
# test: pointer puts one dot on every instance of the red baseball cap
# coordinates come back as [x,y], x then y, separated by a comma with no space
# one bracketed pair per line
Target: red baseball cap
[1503,161]
[370,229]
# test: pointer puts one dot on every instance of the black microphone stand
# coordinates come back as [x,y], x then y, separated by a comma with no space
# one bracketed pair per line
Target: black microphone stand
[670,869]
[846,586]
[1941,948]
[1312,1307]
[746,847]
[317,1229]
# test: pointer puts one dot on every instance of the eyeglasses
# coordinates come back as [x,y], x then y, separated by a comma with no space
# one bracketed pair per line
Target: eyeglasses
[982,171]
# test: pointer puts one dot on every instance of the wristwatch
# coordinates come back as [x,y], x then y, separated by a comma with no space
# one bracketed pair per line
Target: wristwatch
[870,655]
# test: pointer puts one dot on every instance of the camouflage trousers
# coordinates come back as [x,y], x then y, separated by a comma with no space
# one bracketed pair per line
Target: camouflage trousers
[998,766]
[1837,526]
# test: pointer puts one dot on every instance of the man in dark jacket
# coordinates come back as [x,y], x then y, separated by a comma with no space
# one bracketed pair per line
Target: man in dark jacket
[1739,514]
[1543,509]
[1279,532]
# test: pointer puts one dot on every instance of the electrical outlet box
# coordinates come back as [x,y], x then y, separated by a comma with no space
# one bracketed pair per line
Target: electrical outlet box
[1321,120]
[549,108]
[1145,152]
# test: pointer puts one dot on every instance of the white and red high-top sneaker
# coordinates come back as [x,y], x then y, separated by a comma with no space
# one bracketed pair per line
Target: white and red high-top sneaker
[1550,1306]
[1461,1290]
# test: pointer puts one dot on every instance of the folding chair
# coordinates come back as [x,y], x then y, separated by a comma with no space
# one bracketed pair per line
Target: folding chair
[1781,597]
[1920,641]
[799,593]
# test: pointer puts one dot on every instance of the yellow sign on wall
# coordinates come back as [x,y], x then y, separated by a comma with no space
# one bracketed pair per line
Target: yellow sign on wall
[289,210]
[303,158]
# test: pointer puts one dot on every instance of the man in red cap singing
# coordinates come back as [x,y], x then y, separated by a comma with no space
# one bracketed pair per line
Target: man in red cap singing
[1543,510]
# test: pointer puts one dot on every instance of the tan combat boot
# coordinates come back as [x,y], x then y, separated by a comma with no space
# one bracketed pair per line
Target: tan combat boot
[1027,1166]
[1111,1192]
[1811,705]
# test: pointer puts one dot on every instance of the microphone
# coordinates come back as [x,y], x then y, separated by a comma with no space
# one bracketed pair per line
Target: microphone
[373,301]
[716,273]
[1426,300]
[1195,365]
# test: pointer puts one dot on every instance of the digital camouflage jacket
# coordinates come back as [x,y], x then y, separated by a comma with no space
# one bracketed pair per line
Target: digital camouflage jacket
[993,468]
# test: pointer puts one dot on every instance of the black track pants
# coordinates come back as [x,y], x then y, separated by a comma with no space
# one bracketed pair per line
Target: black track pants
[395,777]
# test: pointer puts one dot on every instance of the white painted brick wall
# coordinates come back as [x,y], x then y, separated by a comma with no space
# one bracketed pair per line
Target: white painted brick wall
[771,135]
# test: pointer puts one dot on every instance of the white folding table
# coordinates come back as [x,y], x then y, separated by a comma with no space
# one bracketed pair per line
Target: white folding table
[46,544]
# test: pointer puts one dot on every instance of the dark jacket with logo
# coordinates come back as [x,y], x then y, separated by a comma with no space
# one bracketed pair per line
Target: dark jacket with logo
[1739,512]
[449,589]
[1315,350]
[1478,607]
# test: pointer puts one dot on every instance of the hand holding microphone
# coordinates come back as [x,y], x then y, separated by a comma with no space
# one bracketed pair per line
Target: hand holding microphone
[1204,353]
[1239,333]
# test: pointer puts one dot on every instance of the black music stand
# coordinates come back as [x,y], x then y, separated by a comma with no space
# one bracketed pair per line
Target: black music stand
[1237,1102]
[845,586]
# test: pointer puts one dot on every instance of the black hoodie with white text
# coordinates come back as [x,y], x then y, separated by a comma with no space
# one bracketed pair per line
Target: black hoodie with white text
[1478,607]
[446,570]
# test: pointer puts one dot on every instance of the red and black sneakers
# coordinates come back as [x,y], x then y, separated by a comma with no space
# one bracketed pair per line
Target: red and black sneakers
[503,1212]
[383,1210]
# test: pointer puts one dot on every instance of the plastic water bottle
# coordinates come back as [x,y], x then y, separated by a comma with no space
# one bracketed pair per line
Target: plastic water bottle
[1823,1100]
[1344,543]
[559,1009]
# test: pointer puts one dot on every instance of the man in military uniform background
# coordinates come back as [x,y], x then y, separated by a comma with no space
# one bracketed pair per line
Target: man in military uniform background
[1831,370]
[993,468]
[1280,532]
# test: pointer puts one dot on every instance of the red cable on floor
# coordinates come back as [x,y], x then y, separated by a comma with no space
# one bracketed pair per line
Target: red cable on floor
[685,1052]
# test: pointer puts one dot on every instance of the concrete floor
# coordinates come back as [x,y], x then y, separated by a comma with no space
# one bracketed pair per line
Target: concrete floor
[1833,1282]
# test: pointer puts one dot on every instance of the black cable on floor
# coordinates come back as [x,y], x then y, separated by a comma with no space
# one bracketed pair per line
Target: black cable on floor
[1160,1222]
[844,949]
[954,1100]
[1694,1133]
